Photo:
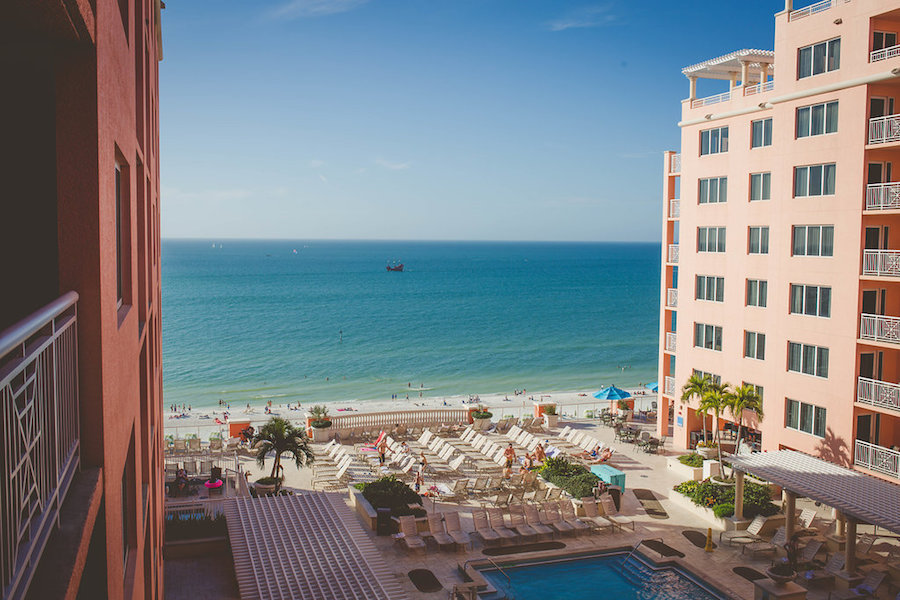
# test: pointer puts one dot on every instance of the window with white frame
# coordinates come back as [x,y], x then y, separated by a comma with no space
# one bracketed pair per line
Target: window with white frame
[710,239]
[819,58]
[714,141]
[813,300]
[817,119]
[757,290]
[808,359]
[760,186]
[709,287]
[813,240]
[757,388]
[801,416]
[761,133]
[755,345]
[708,336]
[814,180]
[758,240]
[717,379]
[713,190]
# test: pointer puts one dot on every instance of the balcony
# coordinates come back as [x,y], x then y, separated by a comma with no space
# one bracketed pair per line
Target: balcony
[884,129]
[669,386]
[812,9]
[39,387]
[877,458]
[673,253]
[881,263]
[672,298]
[878,393]
[670,341]
[675,164]
[884,53]
[878,328]
[709,100]
[674,208]
[883,196]
[759,88]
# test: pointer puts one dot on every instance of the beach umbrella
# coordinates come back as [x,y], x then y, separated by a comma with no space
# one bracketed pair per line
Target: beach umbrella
[612,393]
[653,387]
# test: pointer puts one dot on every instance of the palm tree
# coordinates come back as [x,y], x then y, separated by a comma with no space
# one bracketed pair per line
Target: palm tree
[280,436]
[744,398]
[696,386]
[714,400]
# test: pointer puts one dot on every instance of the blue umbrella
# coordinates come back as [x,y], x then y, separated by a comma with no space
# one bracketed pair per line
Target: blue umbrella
[653,387]
[612,393]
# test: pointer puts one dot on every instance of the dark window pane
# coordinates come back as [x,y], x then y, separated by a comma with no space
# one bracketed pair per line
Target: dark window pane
[828,184]
[763,290]
[811,300]
[724,136]
[704,191]
[723,189]
[825,302]
[704,142]
[799,241]
[803,122]
[801,181]
[766,186]
[819,58]
[819,422]
[828,241]
[804,62]
[831,117]
[815,180]
[822,362]
[721,245]
[817,124]
[834,55]
[812,241]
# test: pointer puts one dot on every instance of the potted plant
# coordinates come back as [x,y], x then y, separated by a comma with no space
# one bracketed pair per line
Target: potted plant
[481,418]
[266,485]
[625,409]
[707,449]
[320,423]
[279,436]
[785,569]
[550,413]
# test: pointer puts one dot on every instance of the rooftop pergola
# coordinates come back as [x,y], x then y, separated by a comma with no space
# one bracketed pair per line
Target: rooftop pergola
[747,66]
[860,498]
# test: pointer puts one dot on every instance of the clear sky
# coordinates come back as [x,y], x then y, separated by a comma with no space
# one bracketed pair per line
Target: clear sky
[431,119]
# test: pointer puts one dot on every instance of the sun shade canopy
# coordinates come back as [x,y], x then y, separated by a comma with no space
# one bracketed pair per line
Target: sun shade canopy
[723,67]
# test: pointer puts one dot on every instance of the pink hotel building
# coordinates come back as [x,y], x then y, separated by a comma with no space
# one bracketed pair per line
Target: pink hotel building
[781,229]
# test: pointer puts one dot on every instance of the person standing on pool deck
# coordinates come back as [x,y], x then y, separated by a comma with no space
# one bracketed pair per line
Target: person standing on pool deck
[510,455]
[382,451]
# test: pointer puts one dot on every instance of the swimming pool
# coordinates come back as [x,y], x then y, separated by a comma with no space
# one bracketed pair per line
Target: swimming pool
[606,575]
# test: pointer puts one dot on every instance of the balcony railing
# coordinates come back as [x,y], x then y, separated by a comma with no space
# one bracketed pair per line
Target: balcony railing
[669,386]
[814,8]
[878,393]
[672,298]
[39,392]
[879,328]
[883,196]
[884,53]
[877,458]
[723,97]
[884,129]
[881,262]
[673,253]
[759,88]
[674,208]
[675,163]
[670,341]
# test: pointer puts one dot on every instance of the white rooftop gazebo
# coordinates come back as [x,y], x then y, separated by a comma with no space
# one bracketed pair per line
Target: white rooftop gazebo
[860,498]
[748,66]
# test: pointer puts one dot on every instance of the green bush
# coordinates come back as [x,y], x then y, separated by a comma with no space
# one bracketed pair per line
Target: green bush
[267,481]
[482,414]
[710,494]
[320,423]
[390,492]
[194,526]
[691,460]
[573,478]
[726,509]
[687,488]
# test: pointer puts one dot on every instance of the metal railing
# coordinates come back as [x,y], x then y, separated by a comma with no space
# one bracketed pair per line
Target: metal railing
[879,328]
[674,208]
[672,298]
[670,341]
[675,163]
[814,8]
[759,88]
[878,393]
[673,253]
[877,458]
[669,386]
[881,262]
[883,196]
[884,129]
[723,97]
[401,417]
[41,454]
[884,53]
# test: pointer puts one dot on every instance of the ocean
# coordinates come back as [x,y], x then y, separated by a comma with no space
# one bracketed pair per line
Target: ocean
[311,321]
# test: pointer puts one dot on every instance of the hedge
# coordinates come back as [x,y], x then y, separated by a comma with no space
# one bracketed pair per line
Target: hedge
[575,479]
[757,498]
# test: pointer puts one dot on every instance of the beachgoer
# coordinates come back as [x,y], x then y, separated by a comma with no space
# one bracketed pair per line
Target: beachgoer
[539,453]
[420,480]
[382,451]
[529,462]
[404,448]
[510,455]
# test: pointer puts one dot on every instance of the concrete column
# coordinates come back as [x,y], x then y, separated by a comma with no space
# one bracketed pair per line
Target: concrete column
[745,73]
[788,5]
[733,79]
[693,87]
[738,495]
[850,548]
[790,513]
[764,74]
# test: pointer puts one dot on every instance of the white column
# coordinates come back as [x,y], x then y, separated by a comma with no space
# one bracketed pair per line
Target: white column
[788,5]
[745,73]
[693,87]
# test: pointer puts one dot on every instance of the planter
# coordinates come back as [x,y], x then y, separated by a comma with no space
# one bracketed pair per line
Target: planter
[684,472]
[778,578]
[321,434]
[552,420]
[481,424]
[708,453]
[264,488]
[706,514]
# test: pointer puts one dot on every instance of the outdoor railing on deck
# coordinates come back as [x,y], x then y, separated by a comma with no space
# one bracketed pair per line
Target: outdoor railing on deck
[884,53]
[672,298]
[673,253]
[40,433]
[723,97]
[401,417]
[877,458]
[883,196]
[674,208]
[759,88]
[879,328]
[812,9]
[675,163]
[669,388]
[878,393]
[884,129]
[881,262]
[670,341]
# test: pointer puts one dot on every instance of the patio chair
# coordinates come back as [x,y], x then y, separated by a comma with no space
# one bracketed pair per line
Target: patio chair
[215,445]
[539,496]
[501,499]
[567,513]
[409,534]
[807,558]
[206,467]
[439,534]
[518,524]
[609,507]
[745,536]
[495,520]
[488,536]
[593,516]
[171,471]
[190,468]
[825,576]
[554,494]
[762,546]
[867,589]
[194,444]
[550,516]
[180,446]
[455,530]
[533,518]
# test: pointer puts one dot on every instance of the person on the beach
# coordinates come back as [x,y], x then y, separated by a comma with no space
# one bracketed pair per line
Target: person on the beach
[404,448]
[529,462]
[382,451]
[539,454]
[420,480]
[510,455]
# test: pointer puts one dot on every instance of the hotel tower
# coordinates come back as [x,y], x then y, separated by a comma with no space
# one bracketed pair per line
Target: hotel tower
[781,237]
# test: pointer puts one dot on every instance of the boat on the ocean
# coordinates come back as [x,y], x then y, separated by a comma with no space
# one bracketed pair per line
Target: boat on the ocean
[395,266]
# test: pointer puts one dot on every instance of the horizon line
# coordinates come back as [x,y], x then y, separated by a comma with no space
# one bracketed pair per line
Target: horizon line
[473,241]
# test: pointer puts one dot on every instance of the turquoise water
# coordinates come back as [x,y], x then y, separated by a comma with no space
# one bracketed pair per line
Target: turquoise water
[252,320]
[596,577]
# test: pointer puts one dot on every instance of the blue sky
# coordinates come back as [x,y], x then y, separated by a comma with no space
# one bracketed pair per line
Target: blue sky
[430,119]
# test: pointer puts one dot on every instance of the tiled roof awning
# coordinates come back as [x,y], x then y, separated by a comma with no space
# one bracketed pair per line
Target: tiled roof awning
[724,67]
[308,546]
[857,495]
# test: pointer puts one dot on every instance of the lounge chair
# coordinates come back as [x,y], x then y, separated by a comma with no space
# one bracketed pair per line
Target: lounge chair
[495,520]
[180,446]
[567,512]
[609,507]
[440,535]
[744,536]
[762,546]
[190,468]
[550,516]
[533,518]
[518,524]
[554,494]
[807,558]
[805,522]
[539,495]
[488,536]
[215,445]
[409,535]
[867,589]
[819,577]
[593,516]
[194,444]
[455,530]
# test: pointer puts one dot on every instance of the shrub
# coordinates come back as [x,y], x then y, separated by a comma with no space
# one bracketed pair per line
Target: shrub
[390,492]
[622,404]
[320,423]
[573,478]
[482,414]
[691,460]
[687,488]
[708,444]
[194,526]
[267,481]
[550,409]
[710,494]
[725,509]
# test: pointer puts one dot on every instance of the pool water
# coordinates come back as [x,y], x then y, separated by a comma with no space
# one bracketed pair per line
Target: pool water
[607,576]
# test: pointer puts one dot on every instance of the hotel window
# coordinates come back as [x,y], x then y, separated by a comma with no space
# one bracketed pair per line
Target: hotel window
[883,39]
[760,186]
[710,239]
[761,133]
[710,287]
[804,417]
[817,119]
[713,190]
[714,141]
[819,58]
[757,388]
[757,290]
[814,180]
[811,300]
[717,379]
[755,345]
[813,240]
[804,358]
[708,336]
[758,239]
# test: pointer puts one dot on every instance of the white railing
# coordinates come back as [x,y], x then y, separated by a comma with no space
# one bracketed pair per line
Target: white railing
[188,509]
[227,461]
[723,97]
[814,8]
[878,393]
[881,262]
[674,208]
[877,458]
[879,329]
[436,416]
[673,253]
[884,53]
[675,163]
[669,388]
[884,129]
[672,298]
[883,196]
[670,341]
[40,433]
[759,88]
